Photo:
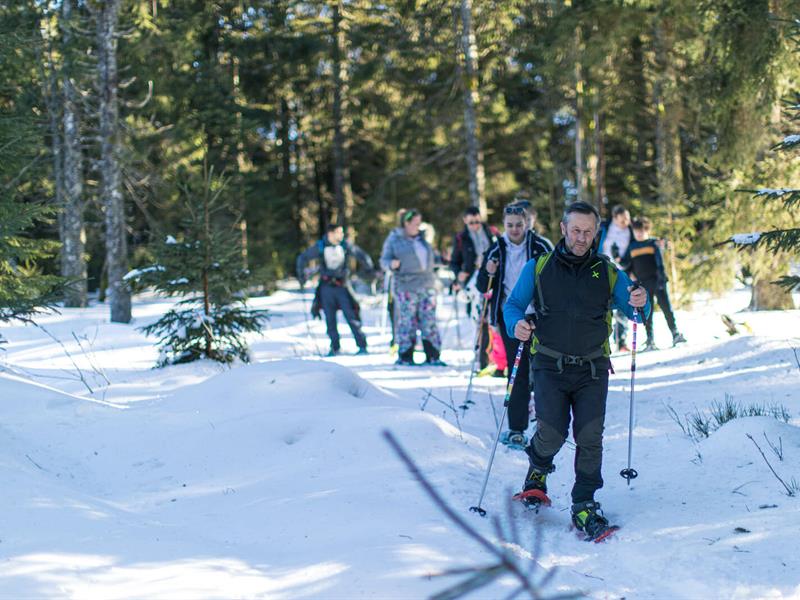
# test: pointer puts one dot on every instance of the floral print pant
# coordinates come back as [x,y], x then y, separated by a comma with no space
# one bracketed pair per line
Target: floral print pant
[416,311]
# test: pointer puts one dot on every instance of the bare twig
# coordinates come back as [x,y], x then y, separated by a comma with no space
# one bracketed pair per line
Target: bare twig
[789,491]
[796,357]
[37,465]
[97,370]
[778,450]
[674,416]
[506,561]
[67,353]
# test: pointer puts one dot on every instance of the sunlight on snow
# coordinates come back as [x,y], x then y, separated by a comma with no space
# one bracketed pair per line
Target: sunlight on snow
[97,576]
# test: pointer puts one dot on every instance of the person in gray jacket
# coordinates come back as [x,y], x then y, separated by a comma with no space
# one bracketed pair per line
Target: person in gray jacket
[410,258]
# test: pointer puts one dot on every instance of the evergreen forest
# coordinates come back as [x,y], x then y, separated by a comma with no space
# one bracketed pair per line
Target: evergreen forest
[344,111]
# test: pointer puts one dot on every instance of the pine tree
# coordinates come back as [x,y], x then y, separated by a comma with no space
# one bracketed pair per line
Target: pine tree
[781,240]
[203,266]
[24,289]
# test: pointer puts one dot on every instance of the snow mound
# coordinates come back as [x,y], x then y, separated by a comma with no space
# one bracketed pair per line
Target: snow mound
[729,450]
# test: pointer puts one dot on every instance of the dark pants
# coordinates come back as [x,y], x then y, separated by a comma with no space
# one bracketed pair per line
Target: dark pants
[661,296]
[559,397]
[336,297]
[518,404]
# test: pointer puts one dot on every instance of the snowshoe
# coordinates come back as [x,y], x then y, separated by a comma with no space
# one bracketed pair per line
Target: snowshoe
[587,517]
[333,352]
[649,346]
[677,338]
[515,440]
[362,352]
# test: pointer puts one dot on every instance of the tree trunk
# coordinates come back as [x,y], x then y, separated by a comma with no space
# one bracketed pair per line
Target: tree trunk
[477,179]
[768,296]
[643,133]
[668,160]
[71,226]
[110,169]
[240,161]
[341,172]
[580,168]
[600,164]
[289,157]
[322,213]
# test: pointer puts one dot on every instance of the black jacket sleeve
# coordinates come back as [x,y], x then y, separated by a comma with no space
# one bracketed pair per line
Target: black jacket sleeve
[482,280]
[311,254]
[457,255]
[362,257]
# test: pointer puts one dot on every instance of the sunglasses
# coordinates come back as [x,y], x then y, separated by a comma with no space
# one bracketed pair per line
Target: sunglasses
[514,210]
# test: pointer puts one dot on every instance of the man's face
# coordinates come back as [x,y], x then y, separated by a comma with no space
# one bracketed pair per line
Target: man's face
[336,236]
[579,232]
[640,234]
[473,222]
[622,220]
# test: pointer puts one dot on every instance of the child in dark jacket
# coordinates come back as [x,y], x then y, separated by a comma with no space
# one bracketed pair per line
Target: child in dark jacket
[644,261]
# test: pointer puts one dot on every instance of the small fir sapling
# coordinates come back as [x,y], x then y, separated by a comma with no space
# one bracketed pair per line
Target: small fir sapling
[202,265]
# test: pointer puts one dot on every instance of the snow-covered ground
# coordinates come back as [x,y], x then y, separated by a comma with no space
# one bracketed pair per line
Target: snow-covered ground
[273,480]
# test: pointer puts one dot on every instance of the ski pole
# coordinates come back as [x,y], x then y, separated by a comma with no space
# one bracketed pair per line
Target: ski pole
[458,324]
[631,473]
[477,350]
[506,402]
[311,338]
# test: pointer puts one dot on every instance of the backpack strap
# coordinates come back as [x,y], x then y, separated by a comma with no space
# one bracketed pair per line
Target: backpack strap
[541,262]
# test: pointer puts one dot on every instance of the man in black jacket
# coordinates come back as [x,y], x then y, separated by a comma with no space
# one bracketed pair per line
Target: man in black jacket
[469,246]
[573,290]
[333,292]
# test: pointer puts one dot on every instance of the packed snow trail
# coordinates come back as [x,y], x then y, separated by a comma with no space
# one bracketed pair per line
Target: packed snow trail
[272,480]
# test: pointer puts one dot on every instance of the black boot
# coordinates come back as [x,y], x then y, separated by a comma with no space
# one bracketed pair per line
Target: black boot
[432,354]
[534,489]
[406,358]
[588,518]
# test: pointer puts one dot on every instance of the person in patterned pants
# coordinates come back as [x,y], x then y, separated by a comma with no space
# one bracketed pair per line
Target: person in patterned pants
[409,256]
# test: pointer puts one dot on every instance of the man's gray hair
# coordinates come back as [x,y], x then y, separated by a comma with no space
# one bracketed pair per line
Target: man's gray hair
[583,208]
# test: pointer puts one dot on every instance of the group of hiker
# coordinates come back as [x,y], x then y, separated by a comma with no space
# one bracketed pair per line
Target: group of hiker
[559,301]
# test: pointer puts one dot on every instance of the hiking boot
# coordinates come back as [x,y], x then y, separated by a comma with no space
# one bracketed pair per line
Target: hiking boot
[435,362]
[677,338]
[588,518]
[362,351]
[649,345]
[406,358]
[333,352]
[534,491]
[623,347]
